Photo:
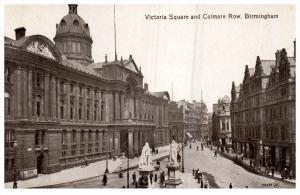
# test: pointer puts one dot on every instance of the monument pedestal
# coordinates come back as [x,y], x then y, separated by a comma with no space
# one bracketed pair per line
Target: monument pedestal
[173,175]
[143,179]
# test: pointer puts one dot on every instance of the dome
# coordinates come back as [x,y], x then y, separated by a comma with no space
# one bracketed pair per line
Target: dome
[73,23]
[73,39]
[226,99]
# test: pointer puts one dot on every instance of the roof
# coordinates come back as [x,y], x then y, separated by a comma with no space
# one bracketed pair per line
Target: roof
[226,99]
[72,23]
[160,94]
[79,67]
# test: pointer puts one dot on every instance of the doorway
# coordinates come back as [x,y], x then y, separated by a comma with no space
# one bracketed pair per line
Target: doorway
[39,164]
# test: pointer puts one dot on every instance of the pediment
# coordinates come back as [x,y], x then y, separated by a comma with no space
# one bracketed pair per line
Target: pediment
[42,46]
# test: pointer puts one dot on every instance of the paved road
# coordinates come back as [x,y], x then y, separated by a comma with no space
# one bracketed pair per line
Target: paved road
[222,171]
[218,170]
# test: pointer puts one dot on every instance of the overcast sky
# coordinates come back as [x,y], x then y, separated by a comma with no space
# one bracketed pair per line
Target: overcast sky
[193,55]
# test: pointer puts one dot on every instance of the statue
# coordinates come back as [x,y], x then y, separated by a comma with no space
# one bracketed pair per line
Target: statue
[145,159]
[173,152]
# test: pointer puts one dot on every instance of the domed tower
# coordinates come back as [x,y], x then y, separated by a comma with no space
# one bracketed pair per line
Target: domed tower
[73,38]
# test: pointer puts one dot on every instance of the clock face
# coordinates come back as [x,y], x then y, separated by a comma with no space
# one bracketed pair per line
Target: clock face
[40,48]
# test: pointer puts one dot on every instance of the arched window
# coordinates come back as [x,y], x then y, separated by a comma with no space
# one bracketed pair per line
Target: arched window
[75,23]
[63,23]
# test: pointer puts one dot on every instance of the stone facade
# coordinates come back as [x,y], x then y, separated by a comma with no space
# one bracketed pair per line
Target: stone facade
[221,124]
[263,112]
[195,119]
[176,121]
[61,107]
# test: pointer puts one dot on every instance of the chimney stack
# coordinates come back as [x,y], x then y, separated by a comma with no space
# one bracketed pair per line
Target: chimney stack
[20,32]
[295,49]
[146,86]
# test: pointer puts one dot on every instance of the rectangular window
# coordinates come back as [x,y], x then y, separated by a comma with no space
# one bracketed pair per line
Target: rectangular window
[95,113]
[64,137]
[73,136]
[82,136]
[37,137]
[9,137]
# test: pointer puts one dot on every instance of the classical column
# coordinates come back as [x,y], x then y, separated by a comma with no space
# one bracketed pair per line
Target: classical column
[126,106]
[58,98]
[76,102]
[92,106]
[136,142]
[117,105]
[108,106]
[130,143]
[53,97]
[18,84]
[99,106]
[67,102]
[25,92]
[84,104]
[46,95]
[29,90]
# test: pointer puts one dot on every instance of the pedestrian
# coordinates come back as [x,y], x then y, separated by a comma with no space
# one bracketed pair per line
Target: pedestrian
[282,174]
[230,185]
[155,177]
[162,177]
[104,180]
[134,178]
[202,147]
[190,146]
[197,148]
[82,163]
[215,153]
[250,163]
[285,173]
[272,170]
[151,177]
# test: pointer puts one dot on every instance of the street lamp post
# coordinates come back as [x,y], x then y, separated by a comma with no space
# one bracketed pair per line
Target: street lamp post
[106,169]
[15,145]
[128,166]
[182,148]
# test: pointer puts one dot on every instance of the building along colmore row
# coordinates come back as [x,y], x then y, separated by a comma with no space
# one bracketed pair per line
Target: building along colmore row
[61,107]
[263,112]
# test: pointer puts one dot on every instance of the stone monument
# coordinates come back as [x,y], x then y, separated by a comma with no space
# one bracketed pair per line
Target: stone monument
[145,166]
[173,167]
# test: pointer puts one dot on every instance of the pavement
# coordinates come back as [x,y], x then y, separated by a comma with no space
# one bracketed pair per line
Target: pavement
[95,169]
[261,170]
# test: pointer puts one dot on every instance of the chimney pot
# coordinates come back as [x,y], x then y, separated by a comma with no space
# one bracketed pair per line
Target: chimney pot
[146,86]
[20,32]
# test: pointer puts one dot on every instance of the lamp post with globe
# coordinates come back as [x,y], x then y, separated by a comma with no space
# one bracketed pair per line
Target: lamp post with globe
[15,145]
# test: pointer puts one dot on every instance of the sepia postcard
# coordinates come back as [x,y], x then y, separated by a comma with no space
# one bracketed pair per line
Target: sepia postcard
[187,96]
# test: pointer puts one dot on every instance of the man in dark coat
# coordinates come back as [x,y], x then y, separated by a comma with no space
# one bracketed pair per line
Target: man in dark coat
[104,180]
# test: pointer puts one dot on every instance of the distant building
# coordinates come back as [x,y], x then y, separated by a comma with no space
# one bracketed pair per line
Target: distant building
[221,124]
[195,119]
[175,120]
[209,138]
[263,112]
[62,107]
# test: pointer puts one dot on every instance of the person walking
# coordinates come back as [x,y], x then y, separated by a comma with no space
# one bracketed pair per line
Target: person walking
[151,177]
[215,153]
[155,177]
[197,148]
[190,146]
[272,170]
[134,178]
[104,180]
[230,185]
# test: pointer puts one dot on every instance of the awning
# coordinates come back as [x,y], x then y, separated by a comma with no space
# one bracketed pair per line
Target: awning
[188,134]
